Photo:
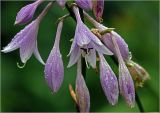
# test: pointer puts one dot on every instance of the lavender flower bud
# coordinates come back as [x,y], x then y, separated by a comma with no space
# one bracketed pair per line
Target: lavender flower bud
[84,4]
[108,81]
[54,70]
[82,93]
[123,47]
[98,6]
[26,13]
[125,80]
[126,85]
[139,74]
[61,2]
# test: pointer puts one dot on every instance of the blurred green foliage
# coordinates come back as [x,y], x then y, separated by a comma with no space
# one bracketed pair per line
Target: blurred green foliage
[26,90]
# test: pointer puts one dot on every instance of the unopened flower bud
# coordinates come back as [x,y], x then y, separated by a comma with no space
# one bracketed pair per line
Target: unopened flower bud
[82,92]
[109,81]
[54,70]
[98,6]
[139,74]
[84,4]
[26,13]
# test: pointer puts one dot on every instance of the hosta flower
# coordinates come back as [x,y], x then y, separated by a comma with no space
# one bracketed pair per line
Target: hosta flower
[85,41]
[61,2]
[84,4]
[54,70]
[98,7]
[107,40]
[108,81]
[26,13]
[82,93]
[26,39]
[126,84]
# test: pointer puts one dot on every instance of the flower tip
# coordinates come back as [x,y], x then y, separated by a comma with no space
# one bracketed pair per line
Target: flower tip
[5,50]
[16,23]
[69,65]
[131,105]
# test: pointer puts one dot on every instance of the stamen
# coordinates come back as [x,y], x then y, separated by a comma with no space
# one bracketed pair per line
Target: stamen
[21,66]
[86,63]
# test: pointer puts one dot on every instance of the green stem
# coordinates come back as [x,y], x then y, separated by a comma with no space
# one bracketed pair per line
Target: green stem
[139,104]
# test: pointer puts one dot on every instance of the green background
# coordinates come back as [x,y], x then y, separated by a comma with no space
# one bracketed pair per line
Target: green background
[26,90]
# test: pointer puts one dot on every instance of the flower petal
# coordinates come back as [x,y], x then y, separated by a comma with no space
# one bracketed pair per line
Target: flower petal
[98,6]
[54,70]
[28,44]
[92,36]
[74,56]
[82,94]
[18,38]
[108,81]
[81,36]
[85,4]
[102,49]
[91,58]
[123,47]
[37,55]
[126,85]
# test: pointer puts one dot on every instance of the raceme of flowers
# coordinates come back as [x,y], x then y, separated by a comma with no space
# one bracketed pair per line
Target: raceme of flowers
[86,44]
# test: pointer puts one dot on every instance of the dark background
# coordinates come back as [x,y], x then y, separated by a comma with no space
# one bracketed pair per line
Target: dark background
[26,90]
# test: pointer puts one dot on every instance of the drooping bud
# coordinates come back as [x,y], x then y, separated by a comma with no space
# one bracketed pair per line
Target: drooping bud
[82,93]
[26,13]
[139,74]
[54,70]
[109,81]
[84,4]
[98,7]
[126,84]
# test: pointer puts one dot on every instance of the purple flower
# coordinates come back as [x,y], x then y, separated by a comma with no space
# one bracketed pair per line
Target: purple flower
[108,81]
[85,4]
[125,80]
[82,93]
[26,39]
[61,2]
[107,40]
[98,6]
[126,85]
[54,70]
[26,13]
[85,43]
